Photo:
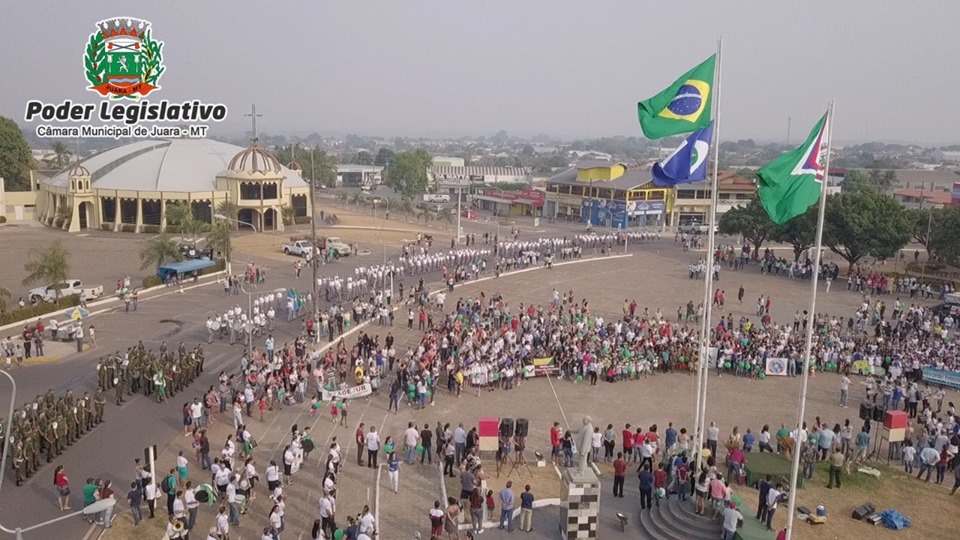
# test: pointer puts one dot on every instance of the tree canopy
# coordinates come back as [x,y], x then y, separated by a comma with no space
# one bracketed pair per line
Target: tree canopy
[865,223]
[944,240]
[407,173]
[15,157]
[48,265]
[800,232]
[750,221]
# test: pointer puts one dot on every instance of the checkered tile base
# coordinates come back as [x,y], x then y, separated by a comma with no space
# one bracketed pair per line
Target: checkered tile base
[578,517]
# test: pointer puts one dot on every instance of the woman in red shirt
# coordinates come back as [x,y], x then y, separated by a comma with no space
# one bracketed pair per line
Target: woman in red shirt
[62,483]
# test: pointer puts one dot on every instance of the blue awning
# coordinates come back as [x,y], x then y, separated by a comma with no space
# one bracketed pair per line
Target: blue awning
[183,267]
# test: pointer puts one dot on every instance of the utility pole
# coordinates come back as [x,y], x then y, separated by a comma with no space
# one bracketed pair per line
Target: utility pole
[459,198]
[315,255]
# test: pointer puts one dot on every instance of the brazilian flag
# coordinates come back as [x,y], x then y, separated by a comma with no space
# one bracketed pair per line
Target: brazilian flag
[683,107]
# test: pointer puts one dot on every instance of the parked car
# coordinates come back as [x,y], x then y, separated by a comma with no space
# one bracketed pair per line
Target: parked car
[71,286]
[190,250]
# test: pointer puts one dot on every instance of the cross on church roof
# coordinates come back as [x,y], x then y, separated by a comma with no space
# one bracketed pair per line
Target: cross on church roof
[253,118]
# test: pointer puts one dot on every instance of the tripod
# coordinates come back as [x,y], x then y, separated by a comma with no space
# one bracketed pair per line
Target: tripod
[518,459]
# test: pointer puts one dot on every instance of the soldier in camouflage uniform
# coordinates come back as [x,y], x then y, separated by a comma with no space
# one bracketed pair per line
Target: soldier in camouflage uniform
[19,461]
[99,401]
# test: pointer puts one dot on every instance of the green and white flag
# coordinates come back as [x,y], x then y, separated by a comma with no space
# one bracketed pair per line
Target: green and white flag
[793,182]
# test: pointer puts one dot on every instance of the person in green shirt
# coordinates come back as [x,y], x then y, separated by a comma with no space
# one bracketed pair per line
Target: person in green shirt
[862,443]
[90,490]
[782,433]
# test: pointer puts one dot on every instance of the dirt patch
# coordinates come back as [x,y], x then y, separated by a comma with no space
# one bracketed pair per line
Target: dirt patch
[927,506]
[122,528]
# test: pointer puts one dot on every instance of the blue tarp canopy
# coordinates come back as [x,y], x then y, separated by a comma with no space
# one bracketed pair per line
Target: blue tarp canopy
[183,267]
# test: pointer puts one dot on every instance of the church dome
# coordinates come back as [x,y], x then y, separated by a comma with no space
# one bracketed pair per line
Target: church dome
[255,160]
[78,170]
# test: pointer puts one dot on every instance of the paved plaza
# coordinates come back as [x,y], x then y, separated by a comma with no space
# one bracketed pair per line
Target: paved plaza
[654,274]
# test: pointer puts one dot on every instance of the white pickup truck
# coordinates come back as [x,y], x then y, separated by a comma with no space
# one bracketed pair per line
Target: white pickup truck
[71,286]
[301,248]
[695,227]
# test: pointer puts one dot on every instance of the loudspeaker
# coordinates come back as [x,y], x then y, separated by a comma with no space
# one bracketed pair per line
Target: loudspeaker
[878,413]
[863,511]
[523,427]
[506,427]
[866,411]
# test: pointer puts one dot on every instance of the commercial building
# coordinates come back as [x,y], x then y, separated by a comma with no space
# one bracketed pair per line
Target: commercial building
[445,178]
[523,202]
[608,194]
[359,175]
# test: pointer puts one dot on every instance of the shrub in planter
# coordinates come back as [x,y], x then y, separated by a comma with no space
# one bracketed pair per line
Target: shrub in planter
[3,219]
[302,220]
[151,229]
[128,227]
[32,313]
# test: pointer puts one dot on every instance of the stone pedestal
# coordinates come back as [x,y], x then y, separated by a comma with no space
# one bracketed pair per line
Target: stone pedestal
[580,506]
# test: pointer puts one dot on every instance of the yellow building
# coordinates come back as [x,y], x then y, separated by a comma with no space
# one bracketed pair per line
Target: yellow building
[608,194]
[128,188]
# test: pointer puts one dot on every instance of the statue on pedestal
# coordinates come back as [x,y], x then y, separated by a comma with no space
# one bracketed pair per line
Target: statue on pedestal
[584,443]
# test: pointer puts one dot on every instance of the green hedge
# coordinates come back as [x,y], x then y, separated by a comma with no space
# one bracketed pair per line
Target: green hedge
[3,219]
[31,313]
[152,281]
[151,229]
[128,227]
[302,220]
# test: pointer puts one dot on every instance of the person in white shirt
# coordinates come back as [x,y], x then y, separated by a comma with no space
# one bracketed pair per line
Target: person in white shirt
[288,458]
[223,523]
[773,499]
[328,511]
[373,447]
[411,437]
[192,504]
[844,390]
[731,518]
[232,500]
[273,476]
[368,524]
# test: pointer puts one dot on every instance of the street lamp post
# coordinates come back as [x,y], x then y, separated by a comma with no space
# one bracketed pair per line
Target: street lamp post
[249,325]
[314,255]
[459,199]
[95,508]
[229,267]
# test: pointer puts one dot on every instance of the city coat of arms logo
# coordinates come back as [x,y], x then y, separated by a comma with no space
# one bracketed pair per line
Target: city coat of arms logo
[122,59]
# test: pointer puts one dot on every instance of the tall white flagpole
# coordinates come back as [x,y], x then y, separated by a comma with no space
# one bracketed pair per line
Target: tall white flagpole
[705,326]
[811,321]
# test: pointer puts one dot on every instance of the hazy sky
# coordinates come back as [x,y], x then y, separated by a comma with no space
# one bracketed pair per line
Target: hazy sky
[562,67]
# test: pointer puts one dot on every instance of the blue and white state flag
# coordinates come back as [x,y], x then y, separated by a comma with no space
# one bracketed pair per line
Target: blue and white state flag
[688,163]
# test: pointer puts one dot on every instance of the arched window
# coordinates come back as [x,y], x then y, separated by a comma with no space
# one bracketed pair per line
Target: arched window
[73,185]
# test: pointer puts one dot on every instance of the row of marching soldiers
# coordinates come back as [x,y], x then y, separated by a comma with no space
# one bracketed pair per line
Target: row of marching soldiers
[139,369]
[42,429]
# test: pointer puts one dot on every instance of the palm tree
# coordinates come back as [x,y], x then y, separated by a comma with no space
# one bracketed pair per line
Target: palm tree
[177,213]
[193,228]
[48,265]
[4,298]
[219,239]
[445,215]
[231,210]
[343,198]
[63,215]
[426,214]
[407,207]
[355,199]
[61,154]
[157,251]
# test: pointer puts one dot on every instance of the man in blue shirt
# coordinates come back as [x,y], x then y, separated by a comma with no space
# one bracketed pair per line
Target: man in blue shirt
[268,344]
[748,440]
[506,506]
[646,487]
[526,509]
[671,436]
